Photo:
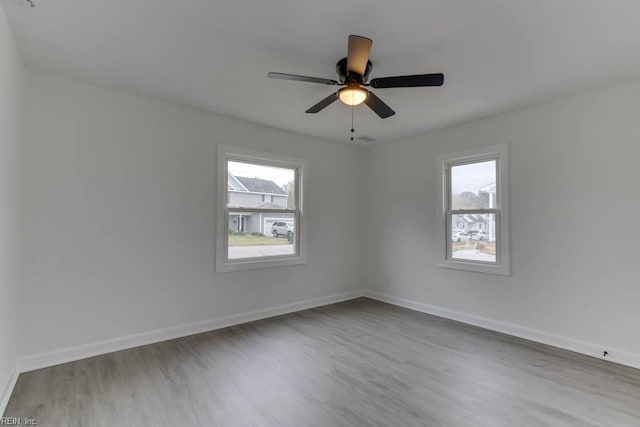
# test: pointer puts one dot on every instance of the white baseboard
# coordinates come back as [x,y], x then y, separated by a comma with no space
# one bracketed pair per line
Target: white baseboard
[6,388]
[590,349]
[70,354]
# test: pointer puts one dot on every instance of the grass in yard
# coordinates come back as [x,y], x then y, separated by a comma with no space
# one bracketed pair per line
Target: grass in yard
[249,240]
[482,246]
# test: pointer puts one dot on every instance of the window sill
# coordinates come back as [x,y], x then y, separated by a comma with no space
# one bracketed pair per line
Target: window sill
[498,269]
[254,264]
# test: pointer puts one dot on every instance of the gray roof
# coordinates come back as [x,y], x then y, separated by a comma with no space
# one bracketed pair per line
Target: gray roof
[257,185]
[473,218]
[233,183]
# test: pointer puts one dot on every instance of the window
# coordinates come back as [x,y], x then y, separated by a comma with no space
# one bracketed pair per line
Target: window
[260,210]
[473,210]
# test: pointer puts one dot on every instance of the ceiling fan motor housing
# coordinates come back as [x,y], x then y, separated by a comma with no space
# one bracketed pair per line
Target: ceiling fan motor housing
[345,76]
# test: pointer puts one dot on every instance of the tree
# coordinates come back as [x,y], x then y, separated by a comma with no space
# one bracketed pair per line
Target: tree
[470,200]
[289,188]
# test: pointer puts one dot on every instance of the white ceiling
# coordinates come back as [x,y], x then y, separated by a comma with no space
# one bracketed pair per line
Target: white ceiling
[496,54]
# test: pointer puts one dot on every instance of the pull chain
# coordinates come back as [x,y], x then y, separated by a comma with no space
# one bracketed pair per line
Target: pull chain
[352,123]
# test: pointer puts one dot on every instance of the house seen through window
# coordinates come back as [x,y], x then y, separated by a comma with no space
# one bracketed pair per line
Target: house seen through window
[473,211]
[261,204]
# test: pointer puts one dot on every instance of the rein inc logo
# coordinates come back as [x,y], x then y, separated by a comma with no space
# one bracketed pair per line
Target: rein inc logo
[18,421]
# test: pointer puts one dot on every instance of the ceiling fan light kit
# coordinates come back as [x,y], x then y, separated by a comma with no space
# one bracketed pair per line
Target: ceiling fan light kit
[353,95]
[353,73]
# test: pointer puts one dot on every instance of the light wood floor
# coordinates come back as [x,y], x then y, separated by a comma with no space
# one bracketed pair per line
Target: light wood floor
[358,363]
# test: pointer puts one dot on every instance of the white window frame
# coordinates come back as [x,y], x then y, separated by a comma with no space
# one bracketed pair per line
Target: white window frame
[500,153]
[226,153]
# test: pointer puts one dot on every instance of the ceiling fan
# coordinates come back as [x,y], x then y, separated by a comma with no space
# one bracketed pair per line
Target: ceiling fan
[353,72]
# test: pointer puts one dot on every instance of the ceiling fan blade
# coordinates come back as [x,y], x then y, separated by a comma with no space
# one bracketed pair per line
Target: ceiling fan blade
[408,81]
[284,76]
[358,56]
[379,107]
[323,104]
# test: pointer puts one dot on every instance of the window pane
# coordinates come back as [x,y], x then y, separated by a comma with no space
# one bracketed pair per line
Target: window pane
[257,234]
[473,237]
[251,185]
[473,186]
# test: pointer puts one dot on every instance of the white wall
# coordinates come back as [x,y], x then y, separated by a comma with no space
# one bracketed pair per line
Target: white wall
[575,185]
[119,217]
[118,224]
[10,124]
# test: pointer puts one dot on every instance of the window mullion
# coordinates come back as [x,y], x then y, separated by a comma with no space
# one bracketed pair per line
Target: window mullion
[472,211]
[250,209]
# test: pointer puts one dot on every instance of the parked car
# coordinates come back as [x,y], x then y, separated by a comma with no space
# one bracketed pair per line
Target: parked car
[459,236]
[480,235]
[281,228]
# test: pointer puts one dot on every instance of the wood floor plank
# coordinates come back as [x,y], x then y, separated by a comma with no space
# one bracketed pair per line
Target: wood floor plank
[357,363]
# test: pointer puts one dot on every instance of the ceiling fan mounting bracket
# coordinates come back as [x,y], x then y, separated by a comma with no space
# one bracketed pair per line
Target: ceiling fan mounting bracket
[345,77]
